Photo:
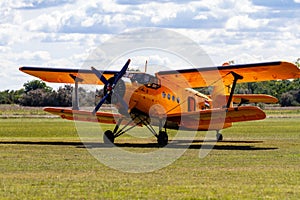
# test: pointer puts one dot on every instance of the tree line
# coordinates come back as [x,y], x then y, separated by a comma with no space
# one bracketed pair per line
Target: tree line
[286,91]
[37,93]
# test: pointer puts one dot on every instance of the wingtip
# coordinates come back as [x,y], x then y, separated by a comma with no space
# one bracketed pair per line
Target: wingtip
[21,68]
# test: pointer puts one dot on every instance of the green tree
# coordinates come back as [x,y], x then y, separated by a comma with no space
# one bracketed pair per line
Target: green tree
[37,93]
[64,96]
[10,96]
[298,62]
[291,98]
[34,85]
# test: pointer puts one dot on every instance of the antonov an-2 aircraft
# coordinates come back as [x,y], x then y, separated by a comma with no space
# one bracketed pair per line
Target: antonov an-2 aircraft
[167,99]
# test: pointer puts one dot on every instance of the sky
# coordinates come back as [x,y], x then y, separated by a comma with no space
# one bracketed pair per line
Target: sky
[62,33]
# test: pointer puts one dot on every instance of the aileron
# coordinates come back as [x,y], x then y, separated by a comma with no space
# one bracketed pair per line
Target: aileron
[64,75]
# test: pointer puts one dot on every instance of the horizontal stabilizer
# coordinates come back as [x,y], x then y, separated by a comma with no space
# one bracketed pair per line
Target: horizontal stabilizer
[254,98]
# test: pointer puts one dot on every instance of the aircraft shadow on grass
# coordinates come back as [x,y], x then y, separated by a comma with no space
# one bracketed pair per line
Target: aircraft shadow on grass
[179,144]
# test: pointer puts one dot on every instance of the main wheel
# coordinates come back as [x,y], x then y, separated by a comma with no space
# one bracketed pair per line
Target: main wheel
[108,137]
[162,139]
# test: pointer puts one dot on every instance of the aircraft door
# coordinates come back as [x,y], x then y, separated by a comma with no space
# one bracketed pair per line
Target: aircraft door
[191,104]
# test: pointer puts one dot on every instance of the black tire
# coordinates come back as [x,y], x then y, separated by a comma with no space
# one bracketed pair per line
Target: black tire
[108,137]
[162,139]
[219,136]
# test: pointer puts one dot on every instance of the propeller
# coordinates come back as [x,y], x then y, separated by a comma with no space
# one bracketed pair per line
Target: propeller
[110,86]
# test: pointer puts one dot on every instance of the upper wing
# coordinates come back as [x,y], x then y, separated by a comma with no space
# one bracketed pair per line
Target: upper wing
[203,77]
[60,75]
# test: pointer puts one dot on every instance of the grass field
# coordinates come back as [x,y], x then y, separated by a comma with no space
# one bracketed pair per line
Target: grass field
[45,159]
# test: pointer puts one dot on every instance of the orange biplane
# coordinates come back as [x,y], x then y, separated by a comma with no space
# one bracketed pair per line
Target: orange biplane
[167,99]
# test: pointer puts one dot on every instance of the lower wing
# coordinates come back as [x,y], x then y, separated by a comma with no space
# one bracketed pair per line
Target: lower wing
[87,116]
[214,119]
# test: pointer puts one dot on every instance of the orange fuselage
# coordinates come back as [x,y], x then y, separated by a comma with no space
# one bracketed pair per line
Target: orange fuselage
[160,101]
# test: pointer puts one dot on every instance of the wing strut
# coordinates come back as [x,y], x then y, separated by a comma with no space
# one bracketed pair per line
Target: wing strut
[75,103]
[236,77]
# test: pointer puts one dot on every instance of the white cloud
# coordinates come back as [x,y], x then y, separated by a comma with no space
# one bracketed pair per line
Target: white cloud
[58,33]
[43,23]
[7,14]
[35,4]
[158,12]
[244,22]
[40,56]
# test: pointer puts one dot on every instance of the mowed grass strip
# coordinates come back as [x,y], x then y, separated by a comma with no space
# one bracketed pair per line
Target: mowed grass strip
[9,111]
[44,159]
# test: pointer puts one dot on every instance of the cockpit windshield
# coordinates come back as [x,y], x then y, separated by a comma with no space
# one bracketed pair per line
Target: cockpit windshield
[145,79]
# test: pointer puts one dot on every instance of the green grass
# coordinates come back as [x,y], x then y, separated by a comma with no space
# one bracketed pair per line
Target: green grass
[44,159]
[283,112]
[9,111]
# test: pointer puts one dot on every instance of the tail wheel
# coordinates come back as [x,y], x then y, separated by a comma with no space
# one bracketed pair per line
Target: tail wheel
[219,136]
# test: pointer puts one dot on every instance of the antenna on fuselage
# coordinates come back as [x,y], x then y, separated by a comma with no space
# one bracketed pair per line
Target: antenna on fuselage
[146,65]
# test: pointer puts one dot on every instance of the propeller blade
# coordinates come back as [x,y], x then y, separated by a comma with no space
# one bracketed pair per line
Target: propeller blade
[122,72]
[99,75]
[121,100]
[100,103]
[105,81]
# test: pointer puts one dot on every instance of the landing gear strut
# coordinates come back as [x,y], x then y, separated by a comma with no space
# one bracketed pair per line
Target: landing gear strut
[108,137]
[219,136]
[162,136]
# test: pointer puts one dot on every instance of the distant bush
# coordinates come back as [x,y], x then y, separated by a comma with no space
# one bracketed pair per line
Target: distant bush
[10,96]
[43,95]
[38,97]
[287,91]
[37,93]
[291,98]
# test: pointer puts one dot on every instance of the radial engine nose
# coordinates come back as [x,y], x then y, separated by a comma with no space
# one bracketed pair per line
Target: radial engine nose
[119,89]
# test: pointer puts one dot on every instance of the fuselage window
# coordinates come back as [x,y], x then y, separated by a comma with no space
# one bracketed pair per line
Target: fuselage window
[164,95]
[173,98]
[178,100]
[169,96]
